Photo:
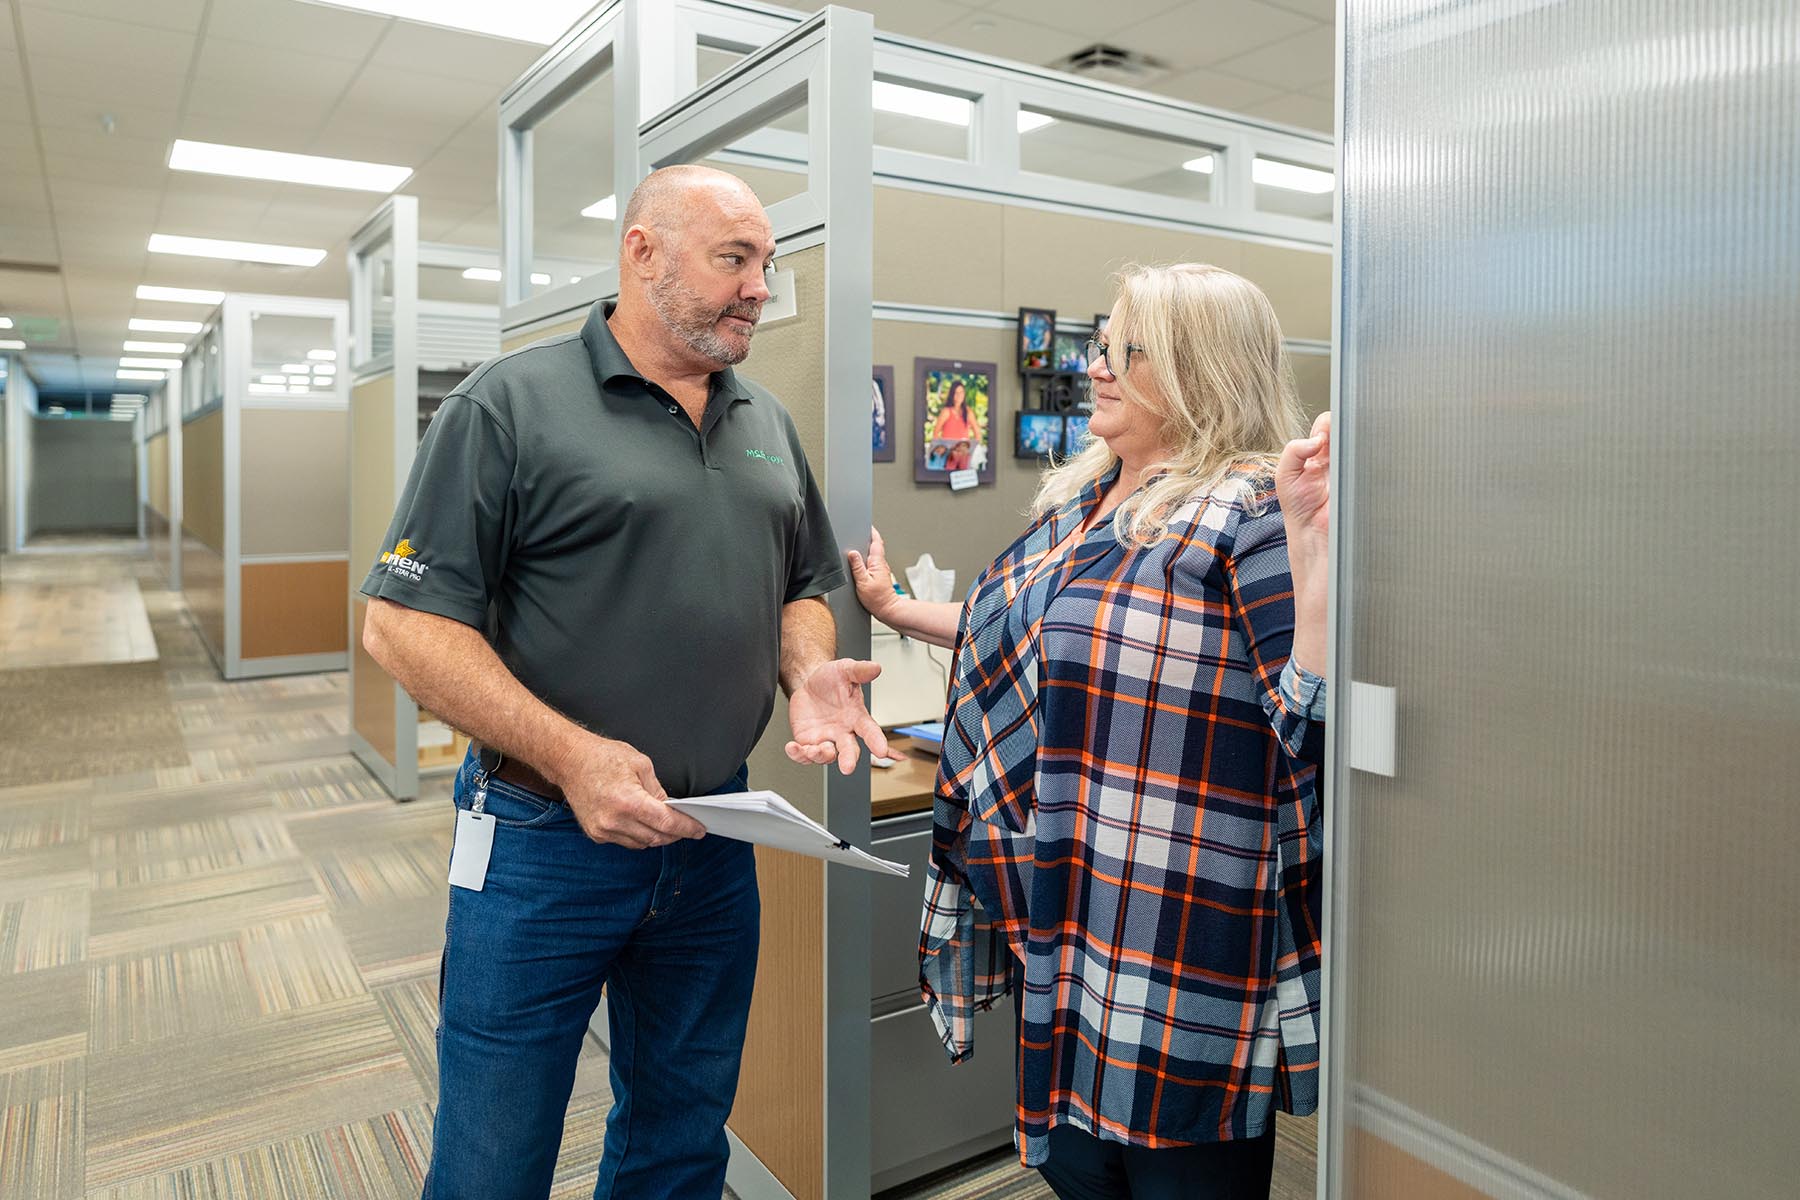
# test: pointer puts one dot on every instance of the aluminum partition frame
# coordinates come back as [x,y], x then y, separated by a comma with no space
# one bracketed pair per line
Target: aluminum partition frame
[394,225]
[826,58]
[236,321]
[171,402]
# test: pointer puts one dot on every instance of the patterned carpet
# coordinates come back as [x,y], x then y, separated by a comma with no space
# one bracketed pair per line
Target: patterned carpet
[219,942]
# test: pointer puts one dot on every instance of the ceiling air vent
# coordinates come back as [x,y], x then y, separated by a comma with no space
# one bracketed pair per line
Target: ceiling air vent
[1112,65]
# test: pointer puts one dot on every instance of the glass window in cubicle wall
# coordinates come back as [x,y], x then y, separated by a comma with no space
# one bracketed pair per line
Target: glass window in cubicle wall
[1293,189]
[212,369]
[293,357]
[773,158]
[924,120]
[574,208]
[1092,152]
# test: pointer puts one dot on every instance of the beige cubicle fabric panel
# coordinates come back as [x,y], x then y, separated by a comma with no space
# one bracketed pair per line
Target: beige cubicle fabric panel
[1381,1169]
[943,251]
[203,587]
[1312,379]
[373,489]
[293,482]
[779,1113]
[373,705]
[288,608]
[203,480]
[572,325]
[963,531]
[156,456]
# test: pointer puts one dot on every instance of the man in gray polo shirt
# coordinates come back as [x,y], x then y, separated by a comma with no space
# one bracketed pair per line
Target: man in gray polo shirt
[610,551]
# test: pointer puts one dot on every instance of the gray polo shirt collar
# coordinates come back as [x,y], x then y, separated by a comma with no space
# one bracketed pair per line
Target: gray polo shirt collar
[610,363]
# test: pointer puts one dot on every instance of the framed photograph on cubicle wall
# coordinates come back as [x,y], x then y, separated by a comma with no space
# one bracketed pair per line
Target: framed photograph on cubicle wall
[1070,356]
[1037,434]
[882,433]
[1101,321]
[1075,432]
[955,413]
[1037,335]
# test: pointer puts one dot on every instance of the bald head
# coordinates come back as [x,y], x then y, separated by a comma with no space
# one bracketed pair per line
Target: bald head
[674,199]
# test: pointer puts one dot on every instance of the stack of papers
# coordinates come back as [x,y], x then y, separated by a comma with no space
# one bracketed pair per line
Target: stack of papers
[765,819]
[929,733]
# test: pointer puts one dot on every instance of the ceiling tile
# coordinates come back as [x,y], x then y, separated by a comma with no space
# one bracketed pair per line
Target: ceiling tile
[1008,37]
[83,113]
[102,147]
[1296,108]
[1216,90]
[29,292]
[473,59]
[405,104]
[216,112]
[1211,30]
[912,18]
[105,170]
[163,14]
[1318,10]
[105,84]
[62,34]
[274,77]
[1094,22]
[1304,60]
[303,28]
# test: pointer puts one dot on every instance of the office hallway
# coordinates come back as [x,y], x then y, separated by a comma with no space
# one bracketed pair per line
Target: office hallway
[219,937]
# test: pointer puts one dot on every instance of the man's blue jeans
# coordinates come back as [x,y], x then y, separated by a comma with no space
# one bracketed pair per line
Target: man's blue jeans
[671,933]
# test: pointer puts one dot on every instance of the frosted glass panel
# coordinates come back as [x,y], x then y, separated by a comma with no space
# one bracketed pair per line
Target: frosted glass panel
[1572,255]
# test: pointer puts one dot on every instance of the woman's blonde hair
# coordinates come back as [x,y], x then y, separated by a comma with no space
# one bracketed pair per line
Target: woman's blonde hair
[1219,386]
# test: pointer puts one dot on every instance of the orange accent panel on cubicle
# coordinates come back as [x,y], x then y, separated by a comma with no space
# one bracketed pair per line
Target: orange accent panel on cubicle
[293,608]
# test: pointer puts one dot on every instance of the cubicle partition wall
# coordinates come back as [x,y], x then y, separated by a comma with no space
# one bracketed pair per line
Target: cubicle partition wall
[846,1088]
[160,423]
[263,485]
[413,335]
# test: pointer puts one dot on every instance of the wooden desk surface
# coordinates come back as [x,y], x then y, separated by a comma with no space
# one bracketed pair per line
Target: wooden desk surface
[906,786]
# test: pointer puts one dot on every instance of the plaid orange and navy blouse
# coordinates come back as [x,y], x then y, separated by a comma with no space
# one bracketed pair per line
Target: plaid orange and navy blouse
[1121,831]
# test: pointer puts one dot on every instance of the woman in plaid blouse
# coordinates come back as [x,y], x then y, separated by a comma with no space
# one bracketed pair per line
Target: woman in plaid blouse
[1122,834]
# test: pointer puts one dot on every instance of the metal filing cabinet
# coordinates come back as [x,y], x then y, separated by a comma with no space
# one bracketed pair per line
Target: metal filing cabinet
[925,1113]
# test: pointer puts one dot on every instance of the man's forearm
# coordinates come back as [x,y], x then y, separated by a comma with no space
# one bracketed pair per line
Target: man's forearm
[808,640]
[451,670]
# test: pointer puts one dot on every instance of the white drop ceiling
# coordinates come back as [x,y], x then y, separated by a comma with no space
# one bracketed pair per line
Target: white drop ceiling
[92,93]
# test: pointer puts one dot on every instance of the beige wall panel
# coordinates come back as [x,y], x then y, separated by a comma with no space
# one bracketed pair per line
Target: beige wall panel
[573,325]
[372,708]
[373,490]
[1298,284]
[293,608]
[156,456]
[294,485]
[203,479]
[1312,379]
[938,250]
[203,587]
[963,531]
[1066,262]
[779,1112]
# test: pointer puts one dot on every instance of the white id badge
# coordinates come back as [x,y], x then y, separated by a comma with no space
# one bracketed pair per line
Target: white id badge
[469,853]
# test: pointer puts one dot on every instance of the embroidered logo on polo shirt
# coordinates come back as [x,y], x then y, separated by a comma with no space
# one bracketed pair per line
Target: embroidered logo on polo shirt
[402,561]
[765,456]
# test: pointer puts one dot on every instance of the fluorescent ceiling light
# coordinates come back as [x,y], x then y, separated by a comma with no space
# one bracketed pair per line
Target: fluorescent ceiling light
[11,344]
[1270,173]
[156,347]
[294,368]
[300,379]
[927,106]
[538,21]
[178,295]
[5,322]
[492,275]
[56,410]
[1202,165]
[603,210]
[257,252]
[145,325]
[325,369]
[128,397]
[268,389]
[1031,122]
[145,375]
[294,390]
[161,364]
[322,355]
[244,162]
[271,379]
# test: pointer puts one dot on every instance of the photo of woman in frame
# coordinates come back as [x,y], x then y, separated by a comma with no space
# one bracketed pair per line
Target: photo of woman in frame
[881,415]
[955,406]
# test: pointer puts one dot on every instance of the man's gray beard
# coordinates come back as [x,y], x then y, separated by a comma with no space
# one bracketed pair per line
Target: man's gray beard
[673,299]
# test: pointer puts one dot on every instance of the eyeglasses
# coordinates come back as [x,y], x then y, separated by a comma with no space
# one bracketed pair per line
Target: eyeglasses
[1097,349]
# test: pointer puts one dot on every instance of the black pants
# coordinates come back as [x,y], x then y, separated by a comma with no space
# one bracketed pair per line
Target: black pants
[1082,1167]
